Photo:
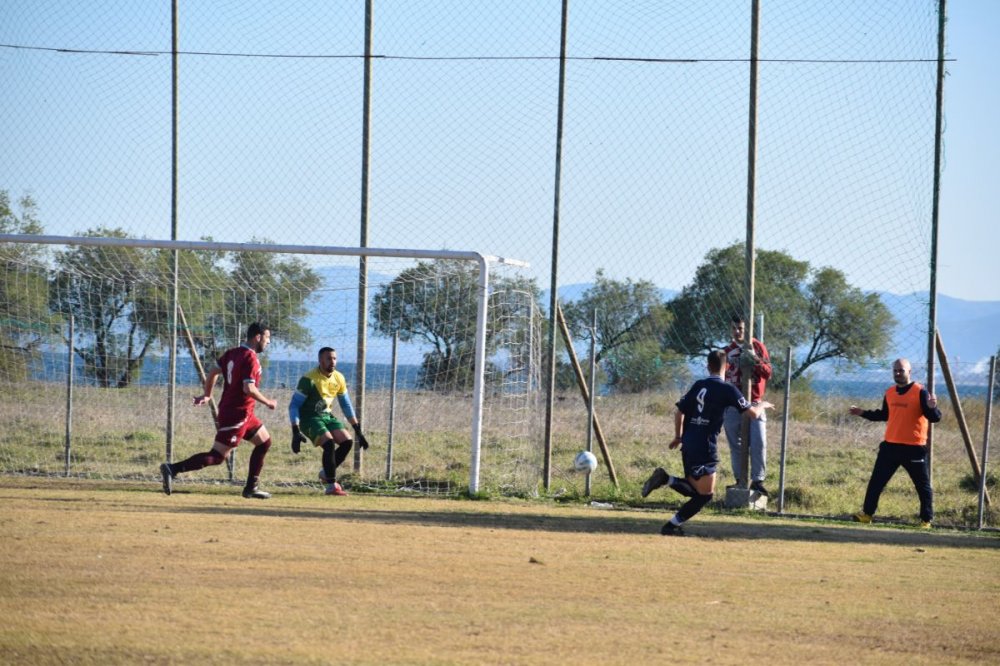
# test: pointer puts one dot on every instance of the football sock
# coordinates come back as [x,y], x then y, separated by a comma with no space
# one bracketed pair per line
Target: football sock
[693,506]
[329,461]
[197,461]
[343,449]
[257,462]
[681,486]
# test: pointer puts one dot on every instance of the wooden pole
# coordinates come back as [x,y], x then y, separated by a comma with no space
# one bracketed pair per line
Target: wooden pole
[582,383]
[231,458]
[959,414]
[197,361]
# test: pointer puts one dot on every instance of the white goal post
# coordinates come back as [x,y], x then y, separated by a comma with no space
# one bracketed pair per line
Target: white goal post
[405,257]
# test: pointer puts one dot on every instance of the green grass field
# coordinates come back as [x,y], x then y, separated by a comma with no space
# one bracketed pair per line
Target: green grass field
[105,573]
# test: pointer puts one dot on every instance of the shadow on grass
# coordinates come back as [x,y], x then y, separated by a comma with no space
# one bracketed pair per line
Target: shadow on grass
[710,525]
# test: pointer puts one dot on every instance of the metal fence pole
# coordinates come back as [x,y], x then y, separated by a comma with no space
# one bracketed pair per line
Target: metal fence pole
[986,437]
[751,246]
[231,458]
[69,398]
[174,94]
[550,380]
[784,430]
[360,367]
[590,403]
[935,206]
[392,405]
[172,357]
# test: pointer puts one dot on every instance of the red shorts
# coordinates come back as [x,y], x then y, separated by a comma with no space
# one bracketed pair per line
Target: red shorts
[230,435]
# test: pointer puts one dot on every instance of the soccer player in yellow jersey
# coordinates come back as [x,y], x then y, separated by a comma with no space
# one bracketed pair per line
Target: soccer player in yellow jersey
[311,415]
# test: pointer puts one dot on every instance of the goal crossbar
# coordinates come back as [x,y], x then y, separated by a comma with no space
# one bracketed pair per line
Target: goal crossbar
[334,250]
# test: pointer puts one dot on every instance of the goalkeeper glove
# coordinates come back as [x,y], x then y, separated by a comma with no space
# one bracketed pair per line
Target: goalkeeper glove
[362,442]
[297,439]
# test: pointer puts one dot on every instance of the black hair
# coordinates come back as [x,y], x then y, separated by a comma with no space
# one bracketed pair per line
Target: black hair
[255,329]
[323,350]
[716,360]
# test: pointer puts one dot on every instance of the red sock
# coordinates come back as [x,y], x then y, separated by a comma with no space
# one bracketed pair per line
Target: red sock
[197,461]
[257,460]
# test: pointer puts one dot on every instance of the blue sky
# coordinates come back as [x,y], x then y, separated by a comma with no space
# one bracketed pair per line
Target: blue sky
[463,150]
[970,198]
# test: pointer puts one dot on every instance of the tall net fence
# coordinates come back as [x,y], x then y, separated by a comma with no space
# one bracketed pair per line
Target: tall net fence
[462,149]
[463,120]
[463,114]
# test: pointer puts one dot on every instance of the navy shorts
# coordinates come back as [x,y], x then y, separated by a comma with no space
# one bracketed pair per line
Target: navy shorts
[700,459]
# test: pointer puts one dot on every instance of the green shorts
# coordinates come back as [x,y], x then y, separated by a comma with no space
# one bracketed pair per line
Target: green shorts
[313,427]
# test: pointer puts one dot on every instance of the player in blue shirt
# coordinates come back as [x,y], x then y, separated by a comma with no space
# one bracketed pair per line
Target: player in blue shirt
[697,423]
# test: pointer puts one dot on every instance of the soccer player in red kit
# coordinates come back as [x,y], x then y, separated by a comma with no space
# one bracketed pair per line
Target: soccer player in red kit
[240,369]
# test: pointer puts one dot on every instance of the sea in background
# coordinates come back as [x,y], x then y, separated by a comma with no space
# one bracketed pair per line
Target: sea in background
[873,391]
[284,373]
[276,372]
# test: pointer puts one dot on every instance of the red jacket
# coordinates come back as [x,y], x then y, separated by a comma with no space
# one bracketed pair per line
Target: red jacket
[761,371]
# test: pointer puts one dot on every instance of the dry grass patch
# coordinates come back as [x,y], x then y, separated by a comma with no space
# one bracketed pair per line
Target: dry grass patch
[94,574]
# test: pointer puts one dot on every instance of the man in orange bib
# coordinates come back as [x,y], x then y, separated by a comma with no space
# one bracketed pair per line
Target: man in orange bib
[907,408]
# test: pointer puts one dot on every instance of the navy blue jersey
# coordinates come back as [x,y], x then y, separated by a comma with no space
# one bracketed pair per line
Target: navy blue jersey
[703,407]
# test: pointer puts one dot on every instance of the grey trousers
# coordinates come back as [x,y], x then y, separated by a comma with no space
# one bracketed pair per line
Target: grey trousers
[733,422]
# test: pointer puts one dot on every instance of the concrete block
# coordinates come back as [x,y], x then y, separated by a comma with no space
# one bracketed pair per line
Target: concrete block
[744,498]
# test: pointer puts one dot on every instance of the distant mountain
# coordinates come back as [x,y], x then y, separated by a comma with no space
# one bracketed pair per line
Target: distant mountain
[575,291]
[970,330]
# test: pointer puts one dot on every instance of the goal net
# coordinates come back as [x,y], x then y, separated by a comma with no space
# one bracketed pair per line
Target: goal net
[450,340]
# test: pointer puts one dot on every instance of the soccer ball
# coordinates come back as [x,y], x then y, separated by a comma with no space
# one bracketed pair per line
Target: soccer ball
[585,461]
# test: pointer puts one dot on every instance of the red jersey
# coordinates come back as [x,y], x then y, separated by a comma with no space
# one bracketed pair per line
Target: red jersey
[761,371]
[239,366]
